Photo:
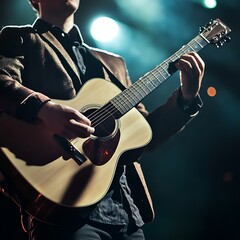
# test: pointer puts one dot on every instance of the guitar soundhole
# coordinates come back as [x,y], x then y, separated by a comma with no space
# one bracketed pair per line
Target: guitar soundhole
[105,124]
[101,146]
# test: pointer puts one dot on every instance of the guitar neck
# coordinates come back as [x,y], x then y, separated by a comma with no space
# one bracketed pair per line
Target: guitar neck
[131,96]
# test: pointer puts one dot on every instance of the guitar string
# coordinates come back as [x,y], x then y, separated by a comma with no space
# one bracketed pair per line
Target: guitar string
[99,117]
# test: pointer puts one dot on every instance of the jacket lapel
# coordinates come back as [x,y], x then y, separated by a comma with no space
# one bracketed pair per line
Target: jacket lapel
[57,46]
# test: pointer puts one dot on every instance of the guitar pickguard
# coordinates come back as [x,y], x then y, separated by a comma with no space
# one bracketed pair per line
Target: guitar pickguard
[100,151]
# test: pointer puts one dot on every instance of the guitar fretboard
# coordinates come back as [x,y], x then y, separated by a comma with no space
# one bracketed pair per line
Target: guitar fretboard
[131,96]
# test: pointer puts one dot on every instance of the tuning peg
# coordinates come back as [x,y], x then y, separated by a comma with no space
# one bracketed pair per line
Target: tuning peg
[219,44]
[228,39]
[211,22]
[203,28]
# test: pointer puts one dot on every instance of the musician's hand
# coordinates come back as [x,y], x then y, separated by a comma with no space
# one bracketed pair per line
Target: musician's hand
[191,68]
[65,121]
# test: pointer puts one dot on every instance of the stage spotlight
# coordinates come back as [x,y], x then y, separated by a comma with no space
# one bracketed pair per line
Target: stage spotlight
[210,3]
[104,29]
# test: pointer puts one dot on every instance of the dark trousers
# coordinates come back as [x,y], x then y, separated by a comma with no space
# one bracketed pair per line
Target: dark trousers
[89,231]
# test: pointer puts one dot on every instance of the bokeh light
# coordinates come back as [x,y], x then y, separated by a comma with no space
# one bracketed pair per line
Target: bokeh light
[211,91]
[104,29]
[210,4]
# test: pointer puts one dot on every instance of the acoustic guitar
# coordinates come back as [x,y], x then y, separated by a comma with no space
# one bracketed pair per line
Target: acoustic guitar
[51,174]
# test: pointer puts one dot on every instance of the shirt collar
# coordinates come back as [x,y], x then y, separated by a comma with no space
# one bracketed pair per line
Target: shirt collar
[42,26]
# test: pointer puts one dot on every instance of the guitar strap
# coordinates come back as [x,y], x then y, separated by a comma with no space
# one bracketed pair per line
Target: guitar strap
[113,78]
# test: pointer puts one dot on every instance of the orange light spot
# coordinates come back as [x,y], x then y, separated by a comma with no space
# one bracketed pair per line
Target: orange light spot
[211,92]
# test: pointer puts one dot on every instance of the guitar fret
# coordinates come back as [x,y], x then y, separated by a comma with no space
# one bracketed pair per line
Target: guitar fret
[182,50]
[123,108]
[149,82]
[166,67]
[191,47]
[156,77]
[198,43]
[160,72]
[146,85]
[166,71]
[142,91]
[139,90]
[134,93]
[112,108]
[178,56]
[125,98]
[140,85]
[114,102]
[128,99]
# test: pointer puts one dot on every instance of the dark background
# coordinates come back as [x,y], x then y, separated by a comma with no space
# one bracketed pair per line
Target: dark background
[194,178]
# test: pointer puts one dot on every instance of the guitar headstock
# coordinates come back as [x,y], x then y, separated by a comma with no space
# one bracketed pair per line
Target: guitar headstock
[216,32]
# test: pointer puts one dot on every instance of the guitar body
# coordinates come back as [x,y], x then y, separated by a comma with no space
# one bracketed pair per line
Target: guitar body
[48,178]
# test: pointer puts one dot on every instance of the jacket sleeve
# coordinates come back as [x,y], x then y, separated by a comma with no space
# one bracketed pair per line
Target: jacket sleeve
[12,92]
[167,121]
